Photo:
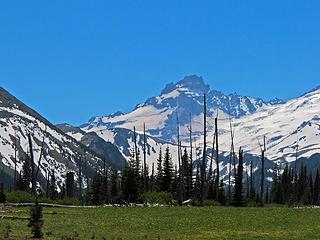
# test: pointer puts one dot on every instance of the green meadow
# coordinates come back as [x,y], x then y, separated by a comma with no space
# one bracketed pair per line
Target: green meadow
[168,223]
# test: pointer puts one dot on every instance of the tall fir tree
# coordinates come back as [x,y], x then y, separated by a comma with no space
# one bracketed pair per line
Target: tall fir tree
[152,180]
[221,193]
[114,184]
[316,189]
[159,175]
[197,185]
[36,221]
[211,184]
[285,185]
[276,193]
[238,190]
[252,191]
[25,178]
[168,173]
[311,189]
[97,190]
[70,185]
[2,195]
[129,182]
[53,193]
[186,174]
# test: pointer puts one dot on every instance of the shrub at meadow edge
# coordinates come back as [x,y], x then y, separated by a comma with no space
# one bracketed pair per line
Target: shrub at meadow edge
[25,197]
[158,198]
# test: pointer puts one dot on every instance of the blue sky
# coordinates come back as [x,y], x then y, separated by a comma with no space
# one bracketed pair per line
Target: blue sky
[71,60]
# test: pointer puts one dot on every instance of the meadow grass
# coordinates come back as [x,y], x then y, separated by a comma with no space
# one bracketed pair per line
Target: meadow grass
[170,223]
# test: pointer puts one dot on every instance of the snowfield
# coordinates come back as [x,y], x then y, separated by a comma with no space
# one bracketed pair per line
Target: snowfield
[291,128]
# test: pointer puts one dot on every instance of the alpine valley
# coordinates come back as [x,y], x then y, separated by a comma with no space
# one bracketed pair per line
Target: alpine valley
[291,128]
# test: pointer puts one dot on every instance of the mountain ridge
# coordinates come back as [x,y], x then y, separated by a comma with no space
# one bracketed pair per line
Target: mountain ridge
[281,121]
[61,152]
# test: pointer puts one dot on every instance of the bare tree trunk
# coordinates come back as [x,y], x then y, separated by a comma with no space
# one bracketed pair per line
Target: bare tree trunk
[231,157]
[217,155]
[80,178]
[153,180]
[15,162]
[180,167]
[251,181]
[295,163]
[33,187]
[212,158]
[104,168]
[47,182]
[136,149]
[203,165]
[145,172]
[190,180]
[41,153]
[262,172]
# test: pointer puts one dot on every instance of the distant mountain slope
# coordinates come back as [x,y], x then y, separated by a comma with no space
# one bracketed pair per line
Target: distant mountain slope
[98,145]
[61,152]
[286,125]
[290,127]
[178,100]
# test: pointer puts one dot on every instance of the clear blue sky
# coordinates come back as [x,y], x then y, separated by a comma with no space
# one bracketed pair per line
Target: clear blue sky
[71,60]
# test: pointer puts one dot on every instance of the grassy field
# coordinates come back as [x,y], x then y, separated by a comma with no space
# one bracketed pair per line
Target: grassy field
[170,223]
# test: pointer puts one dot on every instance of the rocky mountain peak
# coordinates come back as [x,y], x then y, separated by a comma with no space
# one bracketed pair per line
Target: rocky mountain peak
[191,83]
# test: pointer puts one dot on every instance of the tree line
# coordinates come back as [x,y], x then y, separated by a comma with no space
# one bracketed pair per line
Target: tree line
[193,181]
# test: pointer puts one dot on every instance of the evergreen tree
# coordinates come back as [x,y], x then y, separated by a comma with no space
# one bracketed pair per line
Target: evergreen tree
[2,195]
[105,187]
[238,191]
[87,196]
[276,195]
[53,187]
[136,155]
[152,180]
[303,186]
[79,180]
[63,191]
[211,187]
[70,185]
[36,222]
[247,186]
[190,174]
[97,190]
[186,174]
[285,186]
[139,173]
[47,183]
[311,189]
[26,176]
[316,189]
[262,177]
[267,196]
[221,193]
[167,172]
[211,180]
[252,191]
[129,182]
[182,177]
[177,186]
[197,187]
[159,176]
[114,184]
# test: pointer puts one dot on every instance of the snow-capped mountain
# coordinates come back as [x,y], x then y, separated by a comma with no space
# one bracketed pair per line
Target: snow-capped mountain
[61,152]
[286,125]
[290,128]
[179,100]
[97,144]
